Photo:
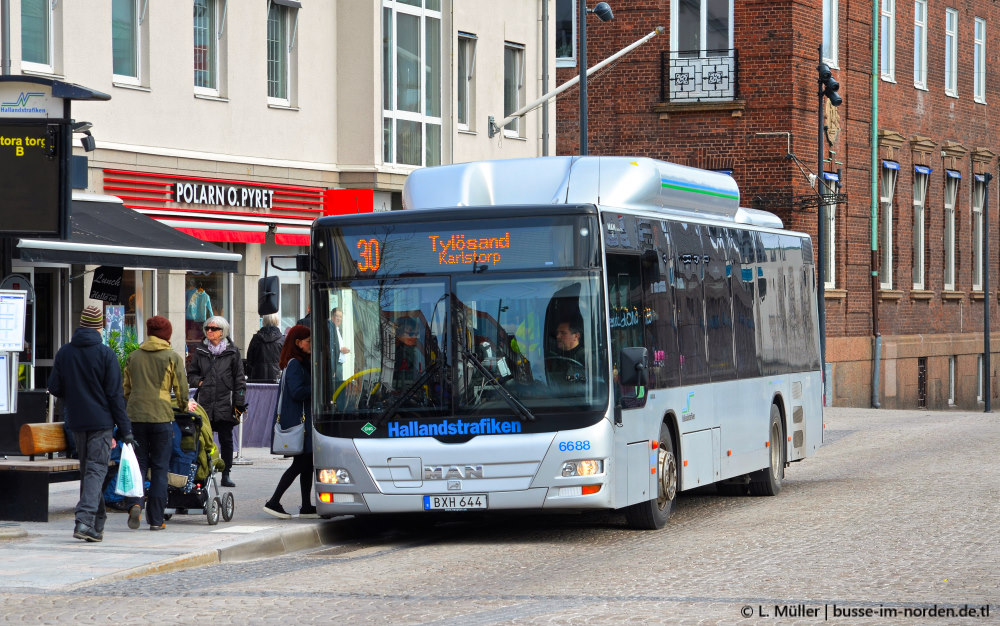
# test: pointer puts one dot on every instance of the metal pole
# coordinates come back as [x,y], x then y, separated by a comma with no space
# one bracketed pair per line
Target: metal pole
[986,289]
[820,239]
[583,77]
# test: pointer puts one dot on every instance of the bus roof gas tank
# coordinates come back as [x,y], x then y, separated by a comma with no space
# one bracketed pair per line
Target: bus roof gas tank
[606,181]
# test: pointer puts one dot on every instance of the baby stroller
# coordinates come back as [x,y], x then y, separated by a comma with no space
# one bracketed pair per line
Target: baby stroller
[191,483]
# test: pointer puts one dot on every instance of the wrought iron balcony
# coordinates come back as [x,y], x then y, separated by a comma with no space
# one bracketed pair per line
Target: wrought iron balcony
[699,76]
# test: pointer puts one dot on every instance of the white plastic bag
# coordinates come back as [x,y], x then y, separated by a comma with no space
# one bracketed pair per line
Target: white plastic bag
[129,482]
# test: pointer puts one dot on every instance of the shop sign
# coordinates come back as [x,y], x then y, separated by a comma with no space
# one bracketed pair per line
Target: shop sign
[107,285]
[223,195]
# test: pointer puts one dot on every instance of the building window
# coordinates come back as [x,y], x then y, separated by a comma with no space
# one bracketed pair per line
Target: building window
[887,190]
[701,28]
[952,178]
[888,44]
[566,33]
[206,294]
[920,44]
[465,89]
[978,199]
[411,82]
[979,61]
[920,178]
[37,41]
[513,86]
[206,47]
[830,32]
[702,57]
[282,23]
[126,41]
[951,52]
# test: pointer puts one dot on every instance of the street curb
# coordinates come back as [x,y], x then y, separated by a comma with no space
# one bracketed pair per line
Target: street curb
[184,561]
[268,545]
[9,533]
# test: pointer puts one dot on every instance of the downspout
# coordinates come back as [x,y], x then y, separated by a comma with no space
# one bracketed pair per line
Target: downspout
[5,35]
[545,76]
[876,71]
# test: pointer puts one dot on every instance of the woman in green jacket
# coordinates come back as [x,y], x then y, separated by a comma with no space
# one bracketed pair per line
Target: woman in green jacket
[152,373]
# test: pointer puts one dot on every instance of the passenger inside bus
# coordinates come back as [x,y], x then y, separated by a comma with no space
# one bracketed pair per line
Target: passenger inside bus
[409,356]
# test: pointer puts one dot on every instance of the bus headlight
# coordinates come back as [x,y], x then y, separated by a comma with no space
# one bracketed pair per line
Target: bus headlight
[335,476]
[586,467]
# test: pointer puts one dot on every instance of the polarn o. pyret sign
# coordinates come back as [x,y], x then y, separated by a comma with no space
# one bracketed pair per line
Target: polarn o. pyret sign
[29,161]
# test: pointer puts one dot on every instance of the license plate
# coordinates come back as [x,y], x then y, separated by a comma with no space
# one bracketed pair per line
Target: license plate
[463,502]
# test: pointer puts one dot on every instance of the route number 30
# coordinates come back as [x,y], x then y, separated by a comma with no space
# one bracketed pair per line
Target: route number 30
[370,256]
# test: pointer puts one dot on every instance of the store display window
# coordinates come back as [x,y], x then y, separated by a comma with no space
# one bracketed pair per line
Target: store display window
[205,294]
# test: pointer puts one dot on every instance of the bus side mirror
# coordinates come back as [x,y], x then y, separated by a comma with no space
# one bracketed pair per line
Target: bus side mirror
[633,367]
[268,289]
[301,262]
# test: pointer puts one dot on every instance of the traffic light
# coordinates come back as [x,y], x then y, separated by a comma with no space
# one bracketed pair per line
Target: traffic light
[828,85]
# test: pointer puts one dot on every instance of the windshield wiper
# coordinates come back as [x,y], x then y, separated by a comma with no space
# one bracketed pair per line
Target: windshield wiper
[403,397]
[523,412]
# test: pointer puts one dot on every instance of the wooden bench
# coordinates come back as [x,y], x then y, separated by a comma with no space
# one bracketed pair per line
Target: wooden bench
[26,482]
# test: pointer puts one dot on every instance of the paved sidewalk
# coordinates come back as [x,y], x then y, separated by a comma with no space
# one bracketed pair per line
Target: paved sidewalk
[44,555]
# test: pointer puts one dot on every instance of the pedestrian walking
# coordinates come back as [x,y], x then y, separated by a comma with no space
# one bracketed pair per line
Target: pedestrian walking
[216,370]
[87,376]
[296,402]
[152,375]
[264,351]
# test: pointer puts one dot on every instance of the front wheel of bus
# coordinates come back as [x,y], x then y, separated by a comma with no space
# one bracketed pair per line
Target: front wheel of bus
[767,482]
[653,514]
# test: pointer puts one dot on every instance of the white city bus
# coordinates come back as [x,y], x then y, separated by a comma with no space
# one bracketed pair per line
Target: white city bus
[561,333]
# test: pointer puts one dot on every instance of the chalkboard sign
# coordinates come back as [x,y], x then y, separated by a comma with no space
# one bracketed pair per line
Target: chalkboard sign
[107,285]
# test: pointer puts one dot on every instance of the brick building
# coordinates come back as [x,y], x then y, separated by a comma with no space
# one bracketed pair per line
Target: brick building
[733,86]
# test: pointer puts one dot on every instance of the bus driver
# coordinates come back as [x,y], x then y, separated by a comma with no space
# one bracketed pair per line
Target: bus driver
[565,364]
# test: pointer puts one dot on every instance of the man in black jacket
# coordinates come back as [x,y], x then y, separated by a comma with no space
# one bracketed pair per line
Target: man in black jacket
[87,376]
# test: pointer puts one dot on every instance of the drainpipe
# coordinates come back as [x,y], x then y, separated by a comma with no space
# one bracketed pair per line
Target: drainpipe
[545,76]
[877,352]
[5,35]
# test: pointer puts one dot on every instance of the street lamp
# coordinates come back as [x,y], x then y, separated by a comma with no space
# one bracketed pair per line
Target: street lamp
[603,12]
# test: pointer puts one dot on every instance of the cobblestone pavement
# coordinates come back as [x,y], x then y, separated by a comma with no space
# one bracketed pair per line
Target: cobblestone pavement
[897,512]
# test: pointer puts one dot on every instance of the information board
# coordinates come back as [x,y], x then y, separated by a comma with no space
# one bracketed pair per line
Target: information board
[13,305]
[30,162]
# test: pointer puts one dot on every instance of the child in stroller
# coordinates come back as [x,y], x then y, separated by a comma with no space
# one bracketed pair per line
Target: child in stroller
[193,463]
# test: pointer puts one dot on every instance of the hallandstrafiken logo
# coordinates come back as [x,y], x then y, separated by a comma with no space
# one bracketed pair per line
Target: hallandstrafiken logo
[23,104]
[485,426]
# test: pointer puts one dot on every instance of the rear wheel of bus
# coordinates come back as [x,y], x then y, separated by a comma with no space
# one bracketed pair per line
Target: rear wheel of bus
[767,482]
[653,514]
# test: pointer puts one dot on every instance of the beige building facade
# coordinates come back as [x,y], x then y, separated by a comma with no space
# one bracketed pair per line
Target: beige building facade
[240,122]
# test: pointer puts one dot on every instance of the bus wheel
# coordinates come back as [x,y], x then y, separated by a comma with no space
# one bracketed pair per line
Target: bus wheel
[767,482]
[654,513]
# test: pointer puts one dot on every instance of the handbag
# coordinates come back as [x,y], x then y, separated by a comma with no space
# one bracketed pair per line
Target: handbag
[287,441]
[129,481]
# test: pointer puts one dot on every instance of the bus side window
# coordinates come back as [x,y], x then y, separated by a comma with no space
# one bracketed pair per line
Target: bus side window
[628,317]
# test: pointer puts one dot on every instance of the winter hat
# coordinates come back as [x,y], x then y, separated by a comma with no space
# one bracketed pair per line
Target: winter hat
[159,326]
[92,317]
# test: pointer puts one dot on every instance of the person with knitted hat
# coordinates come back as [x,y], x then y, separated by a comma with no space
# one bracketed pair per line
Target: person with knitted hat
[88,378]
[151,373]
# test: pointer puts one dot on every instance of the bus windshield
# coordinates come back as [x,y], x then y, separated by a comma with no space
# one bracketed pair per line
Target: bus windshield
[526,346]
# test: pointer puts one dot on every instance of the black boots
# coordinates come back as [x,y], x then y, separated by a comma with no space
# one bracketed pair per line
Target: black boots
[226,481]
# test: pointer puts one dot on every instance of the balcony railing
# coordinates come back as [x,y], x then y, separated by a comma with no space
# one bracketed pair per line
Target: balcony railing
[699,76]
